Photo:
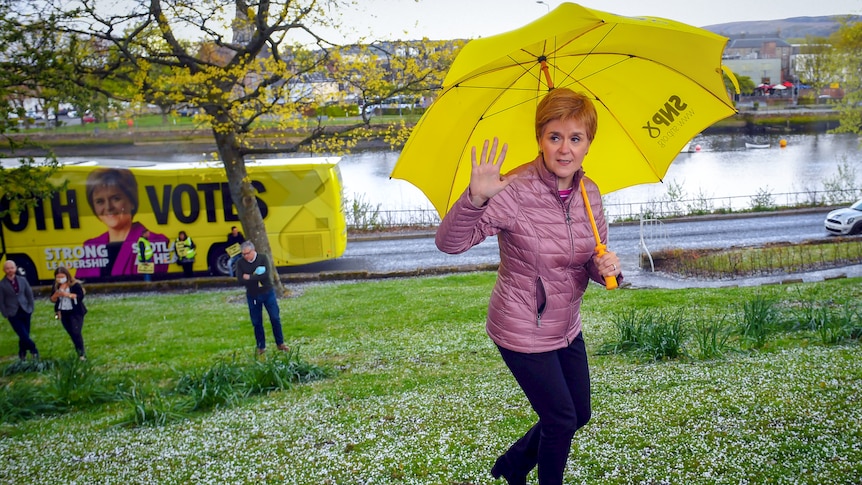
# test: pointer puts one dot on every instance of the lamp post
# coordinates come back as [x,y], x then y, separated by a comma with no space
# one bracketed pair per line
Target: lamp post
[540,2]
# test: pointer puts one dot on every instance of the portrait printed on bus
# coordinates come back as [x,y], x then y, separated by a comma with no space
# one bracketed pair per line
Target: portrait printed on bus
[113,196]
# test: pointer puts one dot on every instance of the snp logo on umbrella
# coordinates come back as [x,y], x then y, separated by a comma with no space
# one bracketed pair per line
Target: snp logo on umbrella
[668,120]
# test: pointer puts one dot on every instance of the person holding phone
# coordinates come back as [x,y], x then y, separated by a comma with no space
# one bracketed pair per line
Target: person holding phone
[252,271]
[68,297]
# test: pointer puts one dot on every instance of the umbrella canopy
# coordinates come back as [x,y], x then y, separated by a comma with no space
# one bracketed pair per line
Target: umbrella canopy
[656,84]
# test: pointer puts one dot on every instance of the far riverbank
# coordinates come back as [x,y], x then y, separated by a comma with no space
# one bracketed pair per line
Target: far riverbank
[121,142]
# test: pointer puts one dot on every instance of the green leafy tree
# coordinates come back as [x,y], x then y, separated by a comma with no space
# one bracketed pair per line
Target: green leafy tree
[258,72]
[816,63]
[408,72]
[746,85]
[848,54]
[25,66]
[378,71]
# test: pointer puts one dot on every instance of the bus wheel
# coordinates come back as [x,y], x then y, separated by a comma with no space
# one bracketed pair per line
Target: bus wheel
[219,261]
[26,268]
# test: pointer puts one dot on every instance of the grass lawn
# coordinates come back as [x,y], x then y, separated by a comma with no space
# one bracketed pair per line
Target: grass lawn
[772,258]
[417,393]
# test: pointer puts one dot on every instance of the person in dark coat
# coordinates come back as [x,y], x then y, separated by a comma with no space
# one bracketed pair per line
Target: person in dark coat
[68,299]
[253,272]
[16,304]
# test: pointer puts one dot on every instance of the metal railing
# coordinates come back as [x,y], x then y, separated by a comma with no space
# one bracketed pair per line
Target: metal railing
[371,219]
[760,202]
[377,219]
[652,231]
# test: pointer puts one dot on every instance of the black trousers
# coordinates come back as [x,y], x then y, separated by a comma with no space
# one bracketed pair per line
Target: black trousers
[74,325]
[557,384]
[188,272]
[21,325]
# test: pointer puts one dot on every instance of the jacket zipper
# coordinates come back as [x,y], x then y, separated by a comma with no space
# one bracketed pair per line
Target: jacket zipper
[540,311]
[566,206]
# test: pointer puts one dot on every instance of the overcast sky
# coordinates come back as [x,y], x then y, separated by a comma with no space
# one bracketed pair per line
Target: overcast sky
[468,19]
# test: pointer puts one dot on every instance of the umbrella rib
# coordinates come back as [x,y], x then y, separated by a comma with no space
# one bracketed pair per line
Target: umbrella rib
[568,75]
[556,49]
[515,63]
[534,61]
[509,87]
[543,60]
[628,57]
[537,62]
[611,112]
[592,52]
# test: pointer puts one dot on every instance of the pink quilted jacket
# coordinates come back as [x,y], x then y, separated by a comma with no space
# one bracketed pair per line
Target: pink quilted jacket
[546,250]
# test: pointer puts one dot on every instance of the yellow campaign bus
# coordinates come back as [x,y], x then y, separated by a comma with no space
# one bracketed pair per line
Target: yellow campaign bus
[94,225]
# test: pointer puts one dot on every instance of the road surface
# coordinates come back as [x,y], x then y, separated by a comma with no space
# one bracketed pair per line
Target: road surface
[410,254]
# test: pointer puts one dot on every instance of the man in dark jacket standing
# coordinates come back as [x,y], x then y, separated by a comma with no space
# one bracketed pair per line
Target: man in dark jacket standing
[253,272]
[16,304]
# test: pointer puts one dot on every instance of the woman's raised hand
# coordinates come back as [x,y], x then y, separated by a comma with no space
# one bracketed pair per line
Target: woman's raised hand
[485,178]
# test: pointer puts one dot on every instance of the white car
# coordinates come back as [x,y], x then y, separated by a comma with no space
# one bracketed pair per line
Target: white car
[845,221]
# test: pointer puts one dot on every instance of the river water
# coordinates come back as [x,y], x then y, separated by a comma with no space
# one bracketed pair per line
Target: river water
[722,173]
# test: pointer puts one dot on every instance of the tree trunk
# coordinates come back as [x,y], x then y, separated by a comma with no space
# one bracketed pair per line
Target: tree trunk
[244,196]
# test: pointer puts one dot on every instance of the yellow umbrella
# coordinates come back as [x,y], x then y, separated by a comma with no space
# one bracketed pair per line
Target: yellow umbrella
[656,83]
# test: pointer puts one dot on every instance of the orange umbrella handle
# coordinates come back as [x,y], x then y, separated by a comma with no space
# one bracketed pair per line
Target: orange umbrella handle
[601,249]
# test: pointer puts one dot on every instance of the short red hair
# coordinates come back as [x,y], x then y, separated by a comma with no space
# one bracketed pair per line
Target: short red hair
[565,104]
